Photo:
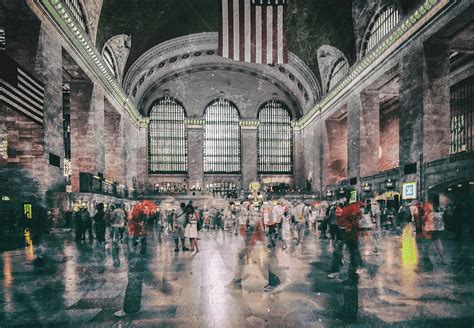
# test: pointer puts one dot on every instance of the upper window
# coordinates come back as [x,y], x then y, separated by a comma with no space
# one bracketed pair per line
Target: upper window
[462,116]
[221,138]
[380,26]
[338,71]
[167,139]
[109,60]
[76,10]
[275,139]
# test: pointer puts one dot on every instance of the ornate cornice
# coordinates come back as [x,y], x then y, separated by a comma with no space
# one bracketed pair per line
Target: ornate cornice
[80,41]
[403,32]
[200,50]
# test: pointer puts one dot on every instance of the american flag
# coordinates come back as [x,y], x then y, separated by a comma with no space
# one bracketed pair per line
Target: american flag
[253,31]
[19,90]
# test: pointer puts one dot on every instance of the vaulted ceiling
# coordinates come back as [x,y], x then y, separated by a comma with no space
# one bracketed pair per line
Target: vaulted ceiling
[311,24]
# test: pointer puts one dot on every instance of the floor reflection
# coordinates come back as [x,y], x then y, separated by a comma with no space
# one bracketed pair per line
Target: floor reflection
[235,281]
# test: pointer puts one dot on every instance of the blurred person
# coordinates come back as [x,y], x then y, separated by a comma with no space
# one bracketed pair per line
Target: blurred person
[191,230]
[179,223]
[99,222]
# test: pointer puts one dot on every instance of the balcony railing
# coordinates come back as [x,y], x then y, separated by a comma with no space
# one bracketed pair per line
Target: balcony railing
[451,159]
[94,184]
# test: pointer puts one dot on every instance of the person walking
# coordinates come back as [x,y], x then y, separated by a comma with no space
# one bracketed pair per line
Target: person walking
[86,223]
[301,213]
[117,224]
[99,222]
[179,223]
[191,228]
[286,229]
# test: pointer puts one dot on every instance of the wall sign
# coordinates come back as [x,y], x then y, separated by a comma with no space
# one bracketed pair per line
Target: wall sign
[409,191]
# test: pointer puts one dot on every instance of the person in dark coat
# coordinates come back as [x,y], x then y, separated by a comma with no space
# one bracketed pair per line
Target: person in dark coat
[100,224]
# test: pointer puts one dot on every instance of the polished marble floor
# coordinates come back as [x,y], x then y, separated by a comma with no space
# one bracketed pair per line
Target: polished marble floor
[88,284]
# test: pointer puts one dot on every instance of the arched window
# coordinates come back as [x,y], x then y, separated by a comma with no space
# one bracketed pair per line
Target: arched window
[76,10]
[339,70]
[275,139]
[380,26]
[109,60]
[167,138]
[221,138]
[462,116]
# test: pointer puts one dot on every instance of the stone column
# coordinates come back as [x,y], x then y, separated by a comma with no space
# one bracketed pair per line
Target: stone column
[312,140]
[436,102]
[298,172]
[142,164]
[411,105]
[411,111]
[48,67]
[369,133]
[354,112]
[334,136]
[87,130]
[114,145]
[130,134]
[195,155]
[249,154]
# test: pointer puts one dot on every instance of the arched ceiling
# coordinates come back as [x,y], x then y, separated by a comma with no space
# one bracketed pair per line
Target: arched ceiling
[151,22]
[181,65]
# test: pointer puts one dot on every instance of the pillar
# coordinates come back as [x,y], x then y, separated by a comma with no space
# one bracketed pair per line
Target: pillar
[195,155]
[436,101]
[369,133]
[87,130]
[354,113]
[249,154]
[114,145]
[298,169]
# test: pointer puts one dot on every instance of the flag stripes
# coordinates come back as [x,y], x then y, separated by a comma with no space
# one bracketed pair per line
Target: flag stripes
[253,31]
[19,90]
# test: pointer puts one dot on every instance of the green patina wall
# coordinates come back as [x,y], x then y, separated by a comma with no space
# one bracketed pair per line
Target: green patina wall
[311,23]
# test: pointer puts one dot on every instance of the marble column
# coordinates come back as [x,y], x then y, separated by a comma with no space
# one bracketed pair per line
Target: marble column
[87,130]
[436,101]
[249,154]
[114,145]
[195,155]
[369,133]
[354,112]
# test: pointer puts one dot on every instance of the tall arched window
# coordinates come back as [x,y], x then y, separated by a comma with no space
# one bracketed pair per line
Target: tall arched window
[462,116]
[275,139]
[338,71]
[76,10]
[109,60]
[221,138]
[167,138]
[380,26]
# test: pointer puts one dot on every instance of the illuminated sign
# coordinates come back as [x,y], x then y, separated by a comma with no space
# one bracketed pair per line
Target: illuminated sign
[409,191]
[353,198]
[28,210]
[4,149]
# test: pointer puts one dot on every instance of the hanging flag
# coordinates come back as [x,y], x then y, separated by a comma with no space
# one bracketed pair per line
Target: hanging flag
[253,31]
[19,90]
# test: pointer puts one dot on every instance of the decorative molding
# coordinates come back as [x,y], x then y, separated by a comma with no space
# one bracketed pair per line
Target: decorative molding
[194,122]
[405,29]
[248,124]
[201,49]
[77,37]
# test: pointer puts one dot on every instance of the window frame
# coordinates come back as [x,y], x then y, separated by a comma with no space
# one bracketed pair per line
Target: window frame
[183,138]
[76,8]
[285,108]
[205,140]
[368,46]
